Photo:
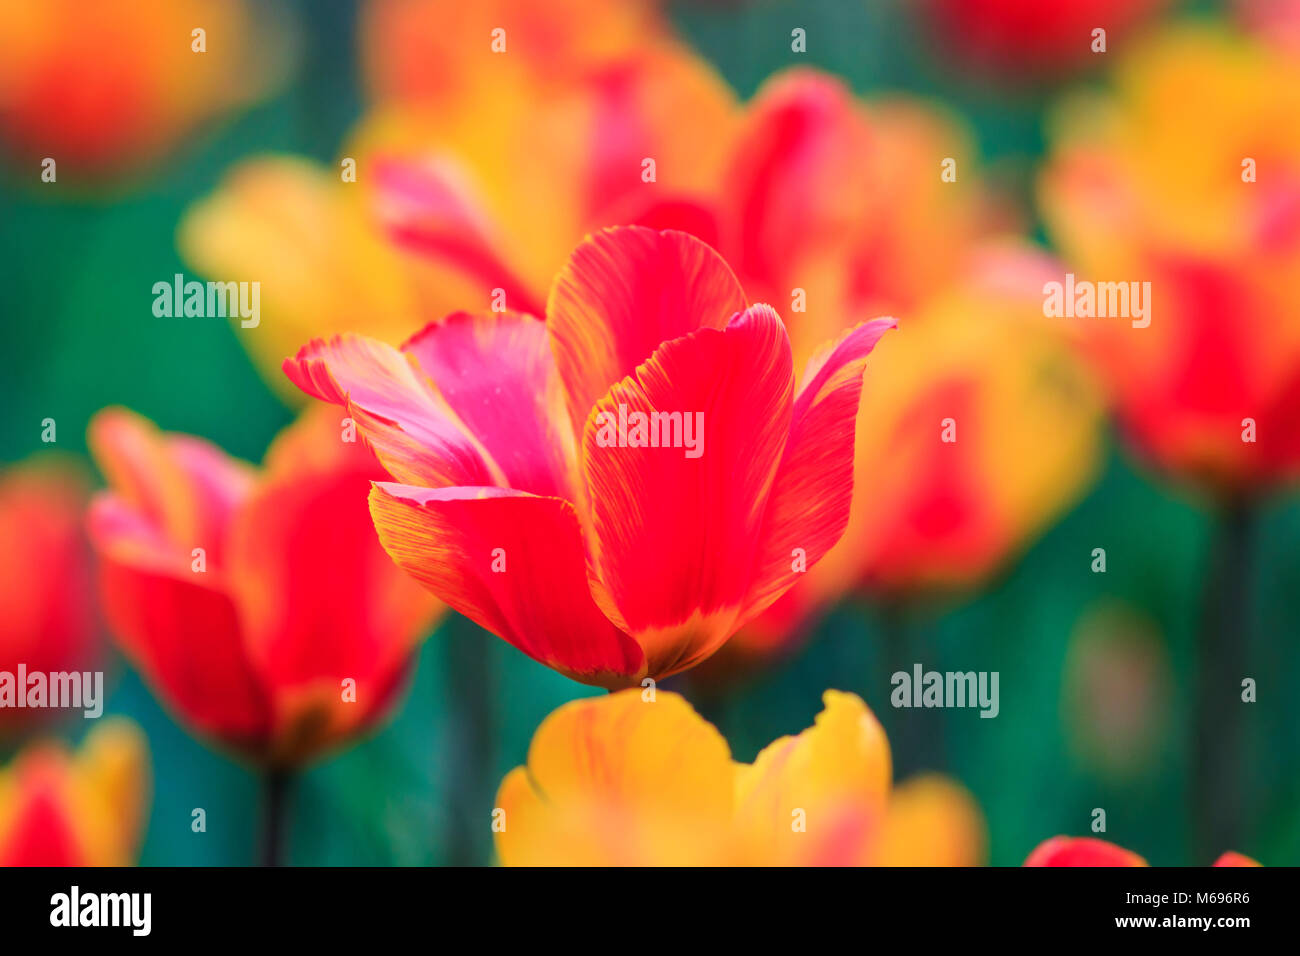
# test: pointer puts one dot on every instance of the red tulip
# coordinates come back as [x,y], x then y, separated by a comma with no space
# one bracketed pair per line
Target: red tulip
[524,503]
[46,620]
[1089,851]
[1030,36]
[258,605]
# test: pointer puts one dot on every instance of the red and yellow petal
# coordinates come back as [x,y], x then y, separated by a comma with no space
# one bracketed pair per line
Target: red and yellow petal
[82,809]
[184,487]
[809,506]
[513,563]
[622,294]
[412,431]
[430,211]
[674,530]
[795,189]
[319,601]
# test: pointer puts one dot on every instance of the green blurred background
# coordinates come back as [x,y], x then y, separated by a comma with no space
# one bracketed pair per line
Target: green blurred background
[78,334]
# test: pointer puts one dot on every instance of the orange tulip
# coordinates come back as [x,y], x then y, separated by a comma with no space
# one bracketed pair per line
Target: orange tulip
[1089,851]
[82,809]
[258,604]
[638,778]
[1187,176]
[104,87]
[431,51]
[46,619]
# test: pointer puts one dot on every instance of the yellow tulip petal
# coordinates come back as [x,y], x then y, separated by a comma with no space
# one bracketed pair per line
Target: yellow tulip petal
[109,792]
[817,797]
[620,780]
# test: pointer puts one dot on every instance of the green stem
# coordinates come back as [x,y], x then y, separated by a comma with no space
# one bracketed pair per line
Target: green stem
[275,823]
[916,734]
[470,690]
[1221,661]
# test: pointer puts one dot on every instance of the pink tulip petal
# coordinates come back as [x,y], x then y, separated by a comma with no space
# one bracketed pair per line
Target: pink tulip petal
[187,488]
[497,374]
[412,431]
[512,562]
[428,213]
[674,538]
[625,291]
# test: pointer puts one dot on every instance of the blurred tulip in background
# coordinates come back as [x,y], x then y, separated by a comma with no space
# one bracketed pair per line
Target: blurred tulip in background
[86,808]
[47,616]
[1089,851]
[1033,38]
[105,88]
[253,601]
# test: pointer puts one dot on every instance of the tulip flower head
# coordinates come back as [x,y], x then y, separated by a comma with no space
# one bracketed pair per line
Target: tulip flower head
[1207,392]
[1030,37]
[46,620]
[430,51]
[258,605]
[1089,851]
[544,483]
[639,778]
[102,88]
[81,809]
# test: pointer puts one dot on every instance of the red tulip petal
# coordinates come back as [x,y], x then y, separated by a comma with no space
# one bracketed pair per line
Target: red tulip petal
[515,564]
[37,827]
[318,597]
[1082,851]
[412,431]
[1235,859]
[320,603]
[795,185]
[675,537]
[809,505]
[623,293]
[177,625]
[497,374]
[44,573]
